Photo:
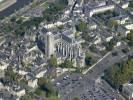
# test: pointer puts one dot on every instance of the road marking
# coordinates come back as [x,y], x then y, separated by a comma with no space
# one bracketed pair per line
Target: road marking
[43,3]
[85,72]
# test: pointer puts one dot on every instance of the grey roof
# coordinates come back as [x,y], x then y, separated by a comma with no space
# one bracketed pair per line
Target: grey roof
[5,95]
[128,87]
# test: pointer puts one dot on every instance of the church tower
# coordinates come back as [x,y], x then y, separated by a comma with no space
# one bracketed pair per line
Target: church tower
[49,44]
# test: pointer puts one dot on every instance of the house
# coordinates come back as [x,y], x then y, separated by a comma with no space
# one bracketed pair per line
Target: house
[129,26]
[1,86]
[15,89]
[92,24]
[71,2]
[2,73]
[93,8]
[3,65]
[19,92]
[6,95]
[22,72]
[32,82]
[124,4]
[123,31]
[120,19]
[40,72]
[118,44]
[97,40]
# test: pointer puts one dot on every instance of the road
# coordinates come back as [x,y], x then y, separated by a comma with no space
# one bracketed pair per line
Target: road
[85,86]
[97,63]
[18,5]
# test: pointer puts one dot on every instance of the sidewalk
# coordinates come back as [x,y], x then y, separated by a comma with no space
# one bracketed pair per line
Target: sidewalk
[85,72]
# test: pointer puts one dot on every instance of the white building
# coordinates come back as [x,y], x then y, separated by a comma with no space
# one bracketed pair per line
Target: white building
[40,72]
[16,90]
[3,65]
[121,19]
[101,9]
[71,2]
[129,26]
[32,83]
[1,86]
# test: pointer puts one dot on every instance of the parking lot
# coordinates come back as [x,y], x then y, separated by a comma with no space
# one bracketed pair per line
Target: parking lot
[86,87]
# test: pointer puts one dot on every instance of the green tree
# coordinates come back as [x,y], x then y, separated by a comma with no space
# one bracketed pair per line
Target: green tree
[52,98]
[67,64]
[26,97]
[45,85]
[76,98]
[63,2]
[82,26]
[113,24]
[39,92]
[120,73]
[10,74]
[52,12]
[52,61]
[88,59]
[130,38]
[110,45]
[13,19]
[130,35]
[42,81]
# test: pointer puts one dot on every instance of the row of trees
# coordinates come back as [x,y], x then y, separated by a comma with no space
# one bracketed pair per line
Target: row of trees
[119,74]
[19,26]
[50,15]
[53,63]
[46,90]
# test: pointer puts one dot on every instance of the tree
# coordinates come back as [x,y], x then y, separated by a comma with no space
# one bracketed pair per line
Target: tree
[42,81]
[109,45]
[10,74]
[88,59]
[52,61]
[13,19]
[27,97]
[45,85]
[131,4]
[76,98]
[119,74]
[51,13]
[113,24]
[53,98]
[82,26]
[130,35]
[39,92]
[63,2]
[93,48]
[130,38]
[67,64]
